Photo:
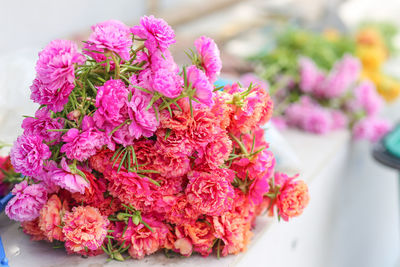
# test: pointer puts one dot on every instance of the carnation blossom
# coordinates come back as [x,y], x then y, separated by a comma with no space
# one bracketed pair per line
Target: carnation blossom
[41,123]
[55,74]
[84,228]
[367,98]
[110,35]
[210,193]
[28,153]
[54,99]
[50,218]
[27,202]
[82,145]
[142,240]
[158,34]
[65,178]
[203,88]
[209,57]
[292,200]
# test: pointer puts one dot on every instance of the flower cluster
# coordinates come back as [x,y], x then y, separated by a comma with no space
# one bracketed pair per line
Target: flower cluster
[322,102]
[129,153]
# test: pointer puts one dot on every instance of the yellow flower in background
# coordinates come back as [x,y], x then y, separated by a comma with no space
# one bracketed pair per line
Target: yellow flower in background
[331,34]
[388,88]
[370,36]
[372,57]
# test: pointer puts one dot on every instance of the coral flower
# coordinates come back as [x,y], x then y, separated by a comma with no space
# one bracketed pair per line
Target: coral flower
[292,199]
[32,228]
[210,193]
[50,218]
[85,228]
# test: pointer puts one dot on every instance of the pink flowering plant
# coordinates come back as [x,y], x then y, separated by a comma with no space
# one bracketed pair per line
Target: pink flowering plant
[130,154]
[320,102]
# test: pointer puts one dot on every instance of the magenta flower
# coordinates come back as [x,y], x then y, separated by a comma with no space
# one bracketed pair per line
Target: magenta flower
[82,145]
[167,83]
[41,123]
[27,202]
[203,88]
[158,34]
[211,192]
[342,76]
[367,98]
[64,177]
[54,98]
[310,75]
[28,153]
[110,99]
[111,35]
[209,57]
[55,66]
[258,188]
[143,121]
[371,128]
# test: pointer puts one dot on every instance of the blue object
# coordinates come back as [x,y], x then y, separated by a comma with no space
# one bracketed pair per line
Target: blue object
[4,201]
[3,258]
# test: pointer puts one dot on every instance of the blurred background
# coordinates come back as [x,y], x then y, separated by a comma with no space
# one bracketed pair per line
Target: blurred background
[363,226]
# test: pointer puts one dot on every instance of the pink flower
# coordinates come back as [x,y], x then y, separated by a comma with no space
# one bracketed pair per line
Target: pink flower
[171,164]
[41,123]
[82,145]
[110,99]
[55,66]
[209,57]
[158,34]
[28,153]
[310,75]
[54,98]
[258,188]
[367,98]
[217,151]
[50,218]
[203,88]
[293,199]
[339,119]
[211,193]
[27,202]
[32,228]
[66,179]
[342,76]
[203,128]
[84,228]
[142,240]
[110,35]
[167,83]
[371,128]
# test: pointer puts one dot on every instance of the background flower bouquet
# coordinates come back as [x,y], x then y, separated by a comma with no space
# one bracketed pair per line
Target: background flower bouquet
[128,153]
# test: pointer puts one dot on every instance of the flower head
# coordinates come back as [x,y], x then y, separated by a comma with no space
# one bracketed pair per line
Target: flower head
[41,123]
[203,88]
[293,199]
[84,228]
[158,34]
[210,59]
[110,35]
[50,218]
[28,154]
[210,193]
[27,202]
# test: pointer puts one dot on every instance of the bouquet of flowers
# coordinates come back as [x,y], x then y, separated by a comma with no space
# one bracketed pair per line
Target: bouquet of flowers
[321,102]
[8,176]
[128,153]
